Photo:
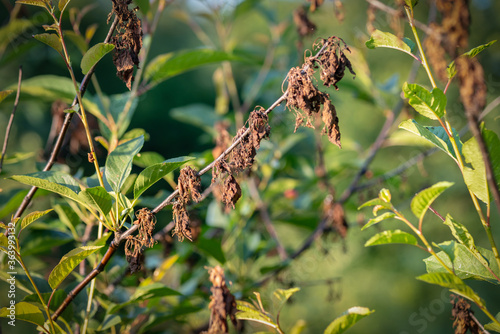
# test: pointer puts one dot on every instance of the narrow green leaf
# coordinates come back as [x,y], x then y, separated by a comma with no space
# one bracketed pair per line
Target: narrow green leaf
[380,39]
[429,104]
[152,174]
[62,4]
[493,145]
[475,177]
[68,263]
[493,326]
[453,283]
[347,319]
[392,237]
[40,3]
[475,51]
[98,198]
[57,182]
[376,220]
[16,199]
[119,162]
[281,296]
[434,134]
[464,263]
[146,159]
[171,64]
[376,202]
[25,312]
[4,242]
[51,40]
[5,93]
[33,216]
[421,201]
[94,54]
[247,311]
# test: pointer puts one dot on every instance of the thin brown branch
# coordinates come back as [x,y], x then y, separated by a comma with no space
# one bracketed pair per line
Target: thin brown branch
[62,133]
[266,218]
[11,119]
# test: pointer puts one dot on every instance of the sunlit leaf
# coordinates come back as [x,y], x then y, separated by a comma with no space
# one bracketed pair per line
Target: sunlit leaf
[493,326]
[51,40]
[68,263]
[421,201]
[62,4]
[376,220]
[97,198]
[171,64]
[40,3]
[451,70]
[493,145]
[452,282]
[152,174]
[380,39]
[429,104]
[247,311]
[475,177]
[5,93]
[282,295]
[392,237]
[347,320]
[94,54]
[25,312]
[32,217]
[119,162]
[464,263]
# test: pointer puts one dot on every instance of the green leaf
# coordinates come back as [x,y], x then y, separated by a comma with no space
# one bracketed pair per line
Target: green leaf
[51,40]
[475,177]
[455,284]
[98,198]
[247,311]
[171,64]
[376,202]
[119,162]
[347,319]
[25,312]
[380,39]
[434,134]
[115,105]
[411,3]
[281,296]
[10,31]
[493,326]
[146,159]
[451,70]
[148,292]
[40,3]
[429,104]
[197,114]
[421,201]
[385,195]
[152,174]
[384,216]
[94,54]
[464,263]
[57,182]
[33,216]
[212,247]
[392,237]
[62,4]
[463,236]
[4,242]
[68,263]
[5,93]
[493,145]
[16,199]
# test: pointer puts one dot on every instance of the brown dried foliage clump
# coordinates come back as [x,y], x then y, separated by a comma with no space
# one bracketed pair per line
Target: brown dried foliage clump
[189,185]
[305,27]
[134,244]
[473,89]
[226,188]
[334,214]
[127,41]
[450,37]
[315,4]
[181,218]
[463,316]
[223,139]
[304,98]
[259,127]
[222,303]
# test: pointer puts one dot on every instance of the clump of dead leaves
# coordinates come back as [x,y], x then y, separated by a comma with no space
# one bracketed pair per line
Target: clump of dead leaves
[127,41]
[303,96]
[134,244]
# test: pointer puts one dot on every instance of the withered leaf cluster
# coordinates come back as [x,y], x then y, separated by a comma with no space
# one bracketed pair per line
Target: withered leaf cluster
[222,303]
[462,315]
[127,41]
[315,4]
[306,100]
[189,185]
[226,188]
[144,238]
[334,215]
[473,89]
[450,36]
[223,139]
[305,27]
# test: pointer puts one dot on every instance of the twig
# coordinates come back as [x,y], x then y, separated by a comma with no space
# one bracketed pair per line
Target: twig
[11,119]
[395,12]
[62,133]
[264,214]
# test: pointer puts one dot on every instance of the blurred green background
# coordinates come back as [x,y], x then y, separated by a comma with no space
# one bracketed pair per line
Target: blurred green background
[334,274]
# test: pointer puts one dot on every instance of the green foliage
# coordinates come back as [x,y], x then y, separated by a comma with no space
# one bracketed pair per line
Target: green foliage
[51,40]
[25,312]
[421,202]
[119,162]
[94,54]
[380,39]
[392,237]
[347,320]
[429,104]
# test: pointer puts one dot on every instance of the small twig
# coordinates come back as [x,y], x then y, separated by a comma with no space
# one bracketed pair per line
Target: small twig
[11,119]
[478,323]
[264,215]
[436,213]
[62,133]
